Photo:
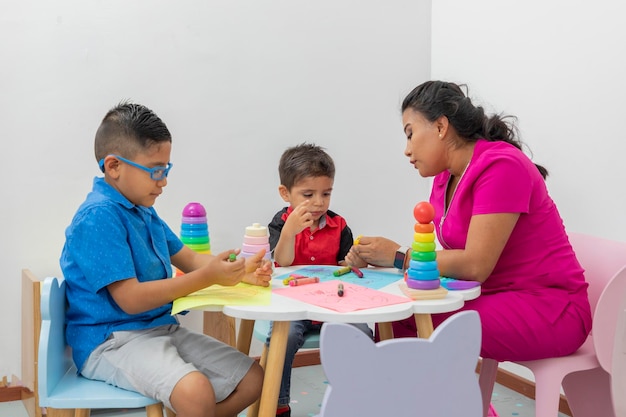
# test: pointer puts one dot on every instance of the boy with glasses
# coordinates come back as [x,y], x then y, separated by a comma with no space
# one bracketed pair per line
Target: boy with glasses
[117,264]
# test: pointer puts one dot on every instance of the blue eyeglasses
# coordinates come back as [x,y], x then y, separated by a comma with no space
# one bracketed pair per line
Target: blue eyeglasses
[157,173]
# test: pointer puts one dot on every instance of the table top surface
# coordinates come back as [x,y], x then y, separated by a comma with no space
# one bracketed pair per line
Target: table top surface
[287,309]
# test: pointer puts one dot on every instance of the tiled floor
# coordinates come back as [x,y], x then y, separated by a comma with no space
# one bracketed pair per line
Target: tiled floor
[308,386]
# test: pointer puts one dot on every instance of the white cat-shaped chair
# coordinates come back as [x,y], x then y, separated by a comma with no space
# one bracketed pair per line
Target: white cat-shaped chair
[432,377]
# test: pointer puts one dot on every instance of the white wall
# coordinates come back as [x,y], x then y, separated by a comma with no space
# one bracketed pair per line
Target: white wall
[238,81]
[235,81]
[559,66]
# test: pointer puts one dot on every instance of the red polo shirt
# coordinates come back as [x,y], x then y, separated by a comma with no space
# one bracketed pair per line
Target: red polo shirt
[327,245]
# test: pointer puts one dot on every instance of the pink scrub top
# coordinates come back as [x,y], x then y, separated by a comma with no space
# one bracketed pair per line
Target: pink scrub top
[537,286]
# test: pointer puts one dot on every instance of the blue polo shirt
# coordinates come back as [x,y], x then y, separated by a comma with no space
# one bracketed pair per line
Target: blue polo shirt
[111,239]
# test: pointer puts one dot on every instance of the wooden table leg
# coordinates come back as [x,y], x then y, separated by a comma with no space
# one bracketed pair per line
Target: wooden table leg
[424,324]
[253,410]
[266,405]
[56,412]
[245,336]
[385,331]
[219,326]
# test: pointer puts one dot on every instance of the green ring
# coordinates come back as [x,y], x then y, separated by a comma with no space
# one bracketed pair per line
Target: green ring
[423,246]
[424,256]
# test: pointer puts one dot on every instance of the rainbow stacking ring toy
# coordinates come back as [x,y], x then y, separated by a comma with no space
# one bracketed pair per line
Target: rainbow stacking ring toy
[194,231]
[255,239]
[423,273]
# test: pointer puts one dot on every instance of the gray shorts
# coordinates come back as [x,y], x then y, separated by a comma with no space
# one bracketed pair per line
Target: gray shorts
[152,361]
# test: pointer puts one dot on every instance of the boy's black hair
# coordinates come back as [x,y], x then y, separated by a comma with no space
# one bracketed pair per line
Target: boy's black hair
[127,129]
[304,160]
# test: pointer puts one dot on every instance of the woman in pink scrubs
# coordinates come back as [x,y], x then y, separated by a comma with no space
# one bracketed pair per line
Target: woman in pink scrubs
[497,225]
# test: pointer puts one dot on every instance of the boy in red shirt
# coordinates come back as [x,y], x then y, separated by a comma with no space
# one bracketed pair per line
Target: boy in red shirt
[306,233]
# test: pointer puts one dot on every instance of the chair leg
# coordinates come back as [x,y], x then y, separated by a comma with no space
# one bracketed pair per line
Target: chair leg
[154,410]
[246,328]
[547,392]
[169,413]
[56,412]
[263,360]
[486,381]
[588,393]
[385,330]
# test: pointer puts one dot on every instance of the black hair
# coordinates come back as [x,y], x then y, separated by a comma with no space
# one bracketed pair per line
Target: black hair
[127,129]
[434,99]
[304,160]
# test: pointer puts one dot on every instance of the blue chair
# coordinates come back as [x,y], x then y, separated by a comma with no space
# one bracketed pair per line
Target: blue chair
[61,389]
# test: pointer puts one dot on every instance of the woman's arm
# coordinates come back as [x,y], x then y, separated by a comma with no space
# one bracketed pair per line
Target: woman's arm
[486,238]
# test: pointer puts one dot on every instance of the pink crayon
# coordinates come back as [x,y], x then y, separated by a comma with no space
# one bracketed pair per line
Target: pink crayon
[303,281]
[357,271]
[291,278]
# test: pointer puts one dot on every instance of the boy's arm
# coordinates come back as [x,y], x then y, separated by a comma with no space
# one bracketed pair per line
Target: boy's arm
[257,270]
[298,220]
[188,260]
[135,297]
[284,252]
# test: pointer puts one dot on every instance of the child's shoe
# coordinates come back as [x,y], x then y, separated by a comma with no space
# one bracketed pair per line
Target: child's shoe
[283,411]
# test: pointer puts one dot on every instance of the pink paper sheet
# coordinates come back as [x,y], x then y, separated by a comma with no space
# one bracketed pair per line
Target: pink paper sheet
[355,297]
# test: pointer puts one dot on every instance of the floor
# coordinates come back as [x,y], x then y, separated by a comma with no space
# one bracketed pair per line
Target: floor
[308,385]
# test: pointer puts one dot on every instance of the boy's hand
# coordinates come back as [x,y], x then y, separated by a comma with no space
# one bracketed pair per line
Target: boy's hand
[299,219]
[224,271]
[258,270]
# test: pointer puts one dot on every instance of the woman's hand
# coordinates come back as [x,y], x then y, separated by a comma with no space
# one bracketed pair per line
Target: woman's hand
[352,259]
[378,251]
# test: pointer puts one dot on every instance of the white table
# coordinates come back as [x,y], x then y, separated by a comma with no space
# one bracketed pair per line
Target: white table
[283,310]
